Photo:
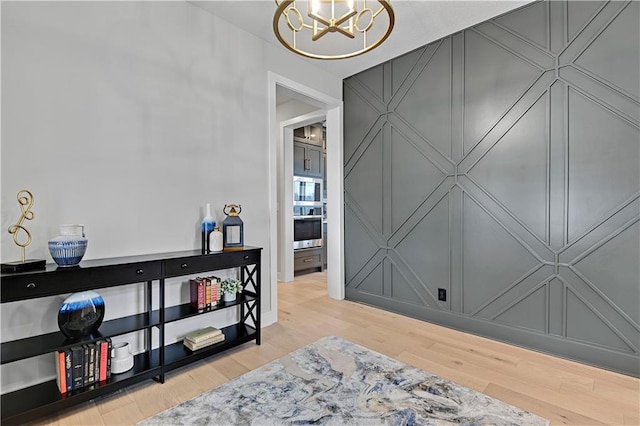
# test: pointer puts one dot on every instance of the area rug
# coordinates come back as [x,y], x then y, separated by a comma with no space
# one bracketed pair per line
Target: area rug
[336,382]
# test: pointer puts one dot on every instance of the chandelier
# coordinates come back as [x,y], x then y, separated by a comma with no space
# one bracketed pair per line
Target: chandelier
[308,27]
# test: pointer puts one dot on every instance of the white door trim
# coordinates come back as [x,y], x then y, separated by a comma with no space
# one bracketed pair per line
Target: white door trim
[335,189]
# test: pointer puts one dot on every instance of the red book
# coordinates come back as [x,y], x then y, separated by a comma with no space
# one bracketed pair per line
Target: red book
[104,353]
[62,374]
[197,294]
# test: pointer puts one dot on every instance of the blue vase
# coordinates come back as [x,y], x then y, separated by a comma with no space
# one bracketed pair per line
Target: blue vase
[69,247]
[81,314]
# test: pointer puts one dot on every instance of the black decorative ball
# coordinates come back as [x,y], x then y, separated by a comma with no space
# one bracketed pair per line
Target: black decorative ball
[81,314]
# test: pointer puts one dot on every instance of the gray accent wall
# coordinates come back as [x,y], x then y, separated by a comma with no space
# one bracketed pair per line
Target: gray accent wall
[501,164]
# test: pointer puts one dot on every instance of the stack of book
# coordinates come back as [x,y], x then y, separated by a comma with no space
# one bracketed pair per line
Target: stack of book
[202,338]
[205,293]
[84,365]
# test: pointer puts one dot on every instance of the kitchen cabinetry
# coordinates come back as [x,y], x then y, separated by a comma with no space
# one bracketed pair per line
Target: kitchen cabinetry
[308,160]
[324,245]
[324,177]
[307,259]
[312,134]
[42,399]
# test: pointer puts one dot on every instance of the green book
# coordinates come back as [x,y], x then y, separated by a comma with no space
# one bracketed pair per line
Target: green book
[202,334]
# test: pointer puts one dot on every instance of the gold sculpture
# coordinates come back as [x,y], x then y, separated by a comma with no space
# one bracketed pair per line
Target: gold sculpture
[25,199]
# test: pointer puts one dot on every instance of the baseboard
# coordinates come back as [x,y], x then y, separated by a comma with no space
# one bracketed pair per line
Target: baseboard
[268,318]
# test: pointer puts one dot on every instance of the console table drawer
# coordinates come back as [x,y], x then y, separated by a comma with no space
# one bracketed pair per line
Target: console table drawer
[126,274]
[27,287]
[198,264]
[69,280]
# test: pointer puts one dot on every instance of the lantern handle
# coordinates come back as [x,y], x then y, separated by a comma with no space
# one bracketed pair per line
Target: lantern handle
[234,209]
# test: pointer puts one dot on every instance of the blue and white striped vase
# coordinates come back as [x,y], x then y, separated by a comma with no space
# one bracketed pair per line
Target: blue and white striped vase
[68,248]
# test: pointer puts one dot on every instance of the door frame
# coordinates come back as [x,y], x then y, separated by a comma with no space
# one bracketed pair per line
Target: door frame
[332,109]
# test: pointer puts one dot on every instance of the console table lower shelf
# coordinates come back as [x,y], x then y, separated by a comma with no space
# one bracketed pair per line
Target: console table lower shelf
[42,399]
[39,400]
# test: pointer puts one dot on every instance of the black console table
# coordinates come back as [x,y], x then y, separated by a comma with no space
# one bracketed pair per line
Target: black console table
[32,402]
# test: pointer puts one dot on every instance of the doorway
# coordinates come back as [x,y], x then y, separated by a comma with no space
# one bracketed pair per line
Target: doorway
[281,177]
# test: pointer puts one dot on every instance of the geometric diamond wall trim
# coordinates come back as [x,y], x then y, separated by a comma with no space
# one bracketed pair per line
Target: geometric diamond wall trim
[535,19]
[357,233]
[599,59]
[493,259]
[427,264]
[434,123]
[502,163]
[583,324]
[608,266]
[498,79]
[517,165]
[533,305]
[603,170]
[364,181]
[413,178]
[579,13]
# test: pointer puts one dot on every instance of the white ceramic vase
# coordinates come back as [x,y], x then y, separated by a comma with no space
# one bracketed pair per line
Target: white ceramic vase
[121,358]
[68,248]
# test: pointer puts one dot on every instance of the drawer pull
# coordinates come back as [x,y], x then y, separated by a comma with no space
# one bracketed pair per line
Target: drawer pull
[308,260]
[246,257]
[184,266]
[31,285]
[139,271]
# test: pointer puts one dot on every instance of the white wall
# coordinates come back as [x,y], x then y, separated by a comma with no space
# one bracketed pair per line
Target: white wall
[128,117]
[293,108]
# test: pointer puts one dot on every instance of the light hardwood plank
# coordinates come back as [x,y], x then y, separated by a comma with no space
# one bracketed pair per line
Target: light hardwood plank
[560,390]
[85,414]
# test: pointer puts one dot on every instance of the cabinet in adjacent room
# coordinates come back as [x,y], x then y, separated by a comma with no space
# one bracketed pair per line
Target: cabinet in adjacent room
[324,245]
[312,134]
[308,160]
[306,260]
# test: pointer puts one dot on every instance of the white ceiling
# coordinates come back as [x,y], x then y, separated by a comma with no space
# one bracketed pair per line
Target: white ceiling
[418,22]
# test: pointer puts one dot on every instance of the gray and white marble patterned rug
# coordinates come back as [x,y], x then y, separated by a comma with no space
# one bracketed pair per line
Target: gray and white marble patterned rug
[336,382]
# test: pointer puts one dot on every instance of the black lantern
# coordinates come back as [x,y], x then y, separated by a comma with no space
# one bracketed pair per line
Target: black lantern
[232,228]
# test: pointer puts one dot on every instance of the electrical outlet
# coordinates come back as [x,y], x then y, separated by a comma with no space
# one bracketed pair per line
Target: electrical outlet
[442,294]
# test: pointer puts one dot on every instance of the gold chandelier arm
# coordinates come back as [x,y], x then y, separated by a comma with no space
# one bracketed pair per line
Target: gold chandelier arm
[319,18]
[345,17]
[377,12]
[345,32]
[326,30]
[319,34]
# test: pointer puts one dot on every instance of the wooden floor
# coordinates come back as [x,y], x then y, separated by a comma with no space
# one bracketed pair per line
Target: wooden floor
[561,391]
